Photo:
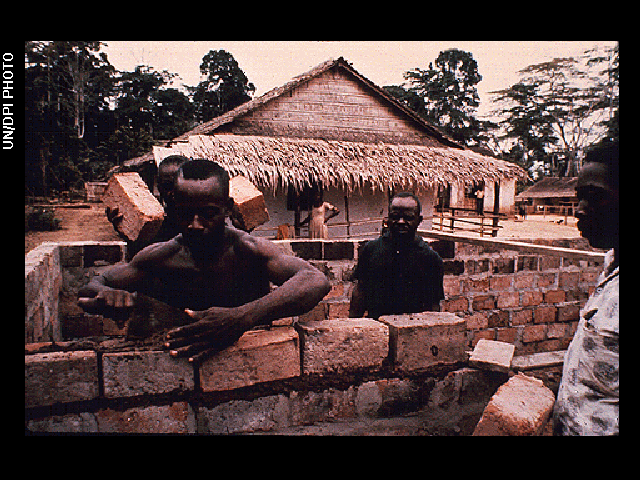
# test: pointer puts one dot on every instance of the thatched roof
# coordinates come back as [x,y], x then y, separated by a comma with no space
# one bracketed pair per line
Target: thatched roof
[551,187]
[273,162]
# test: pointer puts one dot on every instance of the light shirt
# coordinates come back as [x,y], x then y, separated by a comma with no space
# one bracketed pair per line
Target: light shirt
[588,396]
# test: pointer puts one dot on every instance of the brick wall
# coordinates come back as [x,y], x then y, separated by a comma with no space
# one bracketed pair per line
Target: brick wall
[525,294]
[270,380]
[320,367]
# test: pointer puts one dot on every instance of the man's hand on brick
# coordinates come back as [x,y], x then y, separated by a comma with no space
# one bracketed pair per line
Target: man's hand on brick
[214,329]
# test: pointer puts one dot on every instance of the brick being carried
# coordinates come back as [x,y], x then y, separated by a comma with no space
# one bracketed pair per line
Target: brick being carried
[250,208]
[142,213]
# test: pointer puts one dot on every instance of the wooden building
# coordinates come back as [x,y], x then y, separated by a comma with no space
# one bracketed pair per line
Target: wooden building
[333,127]
[550,195]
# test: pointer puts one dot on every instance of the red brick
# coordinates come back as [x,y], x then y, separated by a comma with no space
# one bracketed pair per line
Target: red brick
[483,302]
[573,326]
[546,279]
[556,330]
[520,407]
[531,299]
[526,262]
[478,321]
[499,318]
[482,334]
[508,334]
[552,345]
[251,207]
[554,296]
[568,313]
[590,277]
[521,317]
[568,279]
[455,304]
[476,285]
[548,263]
[500,282]
[525,280]
[60,377]
[337,308]
[451,286]
[258,356]
[545,314]
[175,418]
[337,290]
[142,213]
[508,299]
[533,333]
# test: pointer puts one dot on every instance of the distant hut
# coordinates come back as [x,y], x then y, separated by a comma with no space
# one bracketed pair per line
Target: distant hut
[550,195]
[335,129]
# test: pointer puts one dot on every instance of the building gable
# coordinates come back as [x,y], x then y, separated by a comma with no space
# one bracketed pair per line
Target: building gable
[332,105]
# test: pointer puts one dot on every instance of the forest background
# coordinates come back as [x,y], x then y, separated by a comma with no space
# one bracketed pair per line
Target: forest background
[83,116]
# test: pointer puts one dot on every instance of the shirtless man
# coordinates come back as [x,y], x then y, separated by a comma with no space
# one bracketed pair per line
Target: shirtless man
[218,274]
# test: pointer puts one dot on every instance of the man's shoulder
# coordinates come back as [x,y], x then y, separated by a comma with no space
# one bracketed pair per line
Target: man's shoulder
[158,252]
[426,248]
[245,244]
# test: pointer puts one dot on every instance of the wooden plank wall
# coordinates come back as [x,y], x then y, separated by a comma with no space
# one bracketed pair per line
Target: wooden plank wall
[333,106]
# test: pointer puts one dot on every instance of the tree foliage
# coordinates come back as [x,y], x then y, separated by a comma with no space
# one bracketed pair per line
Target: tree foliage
[225,87]
[558,109]
[83,117]
[445,94]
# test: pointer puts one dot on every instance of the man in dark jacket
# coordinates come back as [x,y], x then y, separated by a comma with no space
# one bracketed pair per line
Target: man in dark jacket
[398,272]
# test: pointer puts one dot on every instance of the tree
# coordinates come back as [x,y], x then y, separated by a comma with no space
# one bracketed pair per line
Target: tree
[526,122]
[449,93]
[67,87]
[558,109]
[225,87]
[172,113]
[137,96]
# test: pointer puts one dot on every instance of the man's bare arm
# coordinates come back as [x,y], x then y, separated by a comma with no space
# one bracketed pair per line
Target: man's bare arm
[114,287]
[301,287]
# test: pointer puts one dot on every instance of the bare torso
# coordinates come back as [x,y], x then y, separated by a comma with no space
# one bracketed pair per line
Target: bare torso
[235,275]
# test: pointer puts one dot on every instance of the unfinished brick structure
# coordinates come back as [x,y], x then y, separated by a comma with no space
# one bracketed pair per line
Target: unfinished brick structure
[313,373]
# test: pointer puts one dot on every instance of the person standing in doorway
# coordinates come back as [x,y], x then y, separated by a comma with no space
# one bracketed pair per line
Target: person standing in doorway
[317,217]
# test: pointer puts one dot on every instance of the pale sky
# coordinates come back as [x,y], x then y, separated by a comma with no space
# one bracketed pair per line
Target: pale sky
[270,64]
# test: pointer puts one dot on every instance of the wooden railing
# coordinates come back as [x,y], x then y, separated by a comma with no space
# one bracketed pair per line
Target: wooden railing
[486,223]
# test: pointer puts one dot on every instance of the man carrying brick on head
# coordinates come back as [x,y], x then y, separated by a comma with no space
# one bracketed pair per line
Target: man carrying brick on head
[220,275]
[588,396]
[167,173]
[398,272]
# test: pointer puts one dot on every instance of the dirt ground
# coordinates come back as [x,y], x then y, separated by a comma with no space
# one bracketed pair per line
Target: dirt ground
[88,221]
[85,221]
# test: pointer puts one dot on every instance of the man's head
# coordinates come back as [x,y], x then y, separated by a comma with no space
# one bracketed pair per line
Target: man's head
[202,202]
[599,197]
[404,216]
[167,173]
